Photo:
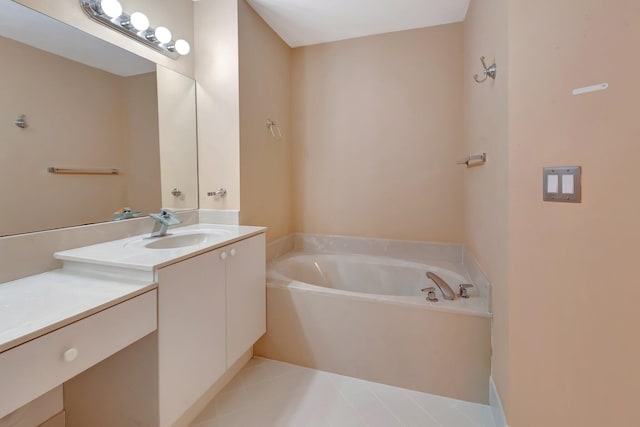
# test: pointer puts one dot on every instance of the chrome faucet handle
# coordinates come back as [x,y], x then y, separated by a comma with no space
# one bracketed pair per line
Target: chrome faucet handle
[164,220]
[463,290]
[431,293]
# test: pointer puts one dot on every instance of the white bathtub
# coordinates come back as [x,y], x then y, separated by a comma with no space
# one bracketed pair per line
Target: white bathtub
[363,315]
[378,278]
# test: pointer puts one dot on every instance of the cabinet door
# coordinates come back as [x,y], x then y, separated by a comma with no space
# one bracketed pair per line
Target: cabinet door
[191,331]
[246,295]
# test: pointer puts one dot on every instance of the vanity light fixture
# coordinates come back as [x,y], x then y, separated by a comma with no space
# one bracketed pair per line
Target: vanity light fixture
[163,35]
[111,8]
[136,25]
[181,46]
[139,21]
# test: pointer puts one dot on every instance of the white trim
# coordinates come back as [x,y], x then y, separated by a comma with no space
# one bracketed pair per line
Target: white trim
[496,405]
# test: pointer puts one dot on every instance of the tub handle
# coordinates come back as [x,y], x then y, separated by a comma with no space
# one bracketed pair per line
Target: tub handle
[463,290]
[431,294]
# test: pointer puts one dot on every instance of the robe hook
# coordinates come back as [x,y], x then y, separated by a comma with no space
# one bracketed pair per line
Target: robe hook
[489,71]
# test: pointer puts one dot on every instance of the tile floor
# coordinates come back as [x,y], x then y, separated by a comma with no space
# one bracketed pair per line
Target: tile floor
[267,393]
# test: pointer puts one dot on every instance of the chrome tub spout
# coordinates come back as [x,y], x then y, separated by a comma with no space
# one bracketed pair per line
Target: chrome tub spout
[446,290]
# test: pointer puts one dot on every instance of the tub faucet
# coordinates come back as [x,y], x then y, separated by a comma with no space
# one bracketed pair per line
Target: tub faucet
[164,220]
[446,290]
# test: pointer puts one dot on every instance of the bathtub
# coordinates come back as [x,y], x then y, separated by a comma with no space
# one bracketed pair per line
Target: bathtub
[377,278]
[364,315]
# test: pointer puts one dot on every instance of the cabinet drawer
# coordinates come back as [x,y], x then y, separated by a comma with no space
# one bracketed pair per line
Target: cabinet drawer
[33,368]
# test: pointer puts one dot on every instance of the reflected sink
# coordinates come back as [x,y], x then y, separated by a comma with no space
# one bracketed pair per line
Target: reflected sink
[187,239]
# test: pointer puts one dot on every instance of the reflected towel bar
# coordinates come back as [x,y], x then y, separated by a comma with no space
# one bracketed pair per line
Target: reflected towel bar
[476,159]
[83,171]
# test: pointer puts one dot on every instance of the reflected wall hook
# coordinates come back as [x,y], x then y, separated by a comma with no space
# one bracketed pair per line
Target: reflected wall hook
[21,122]
[474,160]
[220,192]
[273,127]
[488,71]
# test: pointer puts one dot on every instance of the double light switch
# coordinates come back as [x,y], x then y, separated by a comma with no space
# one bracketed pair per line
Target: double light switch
[561,184]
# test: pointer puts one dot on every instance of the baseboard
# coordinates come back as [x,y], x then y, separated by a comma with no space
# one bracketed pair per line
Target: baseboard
[496,405]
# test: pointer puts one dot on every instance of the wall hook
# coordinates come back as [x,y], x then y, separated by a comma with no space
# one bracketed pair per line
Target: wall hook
[21,122]
[488,71]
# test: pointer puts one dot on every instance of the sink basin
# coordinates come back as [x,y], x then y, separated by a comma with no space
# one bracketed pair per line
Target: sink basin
[184,240]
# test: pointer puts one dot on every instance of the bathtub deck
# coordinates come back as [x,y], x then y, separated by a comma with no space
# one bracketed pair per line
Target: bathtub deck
[268,393]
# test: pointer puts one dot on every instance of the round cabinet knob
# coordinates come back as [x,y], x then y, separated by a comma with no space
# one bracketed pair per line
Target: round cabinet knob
[232,252]
[223,255]
[70,355]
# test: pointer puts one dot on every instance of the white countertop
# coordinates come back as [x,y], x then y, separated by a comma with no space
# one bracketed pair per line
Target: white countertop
[39,304]
[131,253]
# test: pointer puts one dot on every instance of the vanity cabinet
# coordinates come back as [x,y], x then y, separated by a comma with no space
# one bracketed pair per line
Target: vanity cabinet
[246,295]
[211,310]
[191,331]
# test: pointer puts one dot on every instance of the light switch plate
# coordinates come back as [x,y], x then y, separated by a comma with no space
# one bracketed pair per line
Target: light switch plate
[560,177]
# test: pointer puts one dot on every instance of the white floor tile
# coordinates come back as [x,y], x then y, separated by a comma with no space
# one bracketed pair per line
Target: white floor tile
[268,393]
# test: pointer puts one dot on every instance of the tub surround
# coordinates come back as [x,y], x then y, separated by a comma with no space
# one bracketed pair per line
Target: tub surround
[280,247]
[402,249]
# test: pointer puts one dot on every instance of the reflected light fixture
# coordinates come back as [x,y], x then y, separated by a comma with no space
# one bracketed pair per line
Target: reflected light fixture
[136,25]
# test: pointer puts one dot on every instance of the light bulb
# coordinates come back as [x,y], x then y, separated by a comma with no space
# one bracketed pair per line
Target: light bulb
[139,21]
[111,8]
[163,35]
[182,47]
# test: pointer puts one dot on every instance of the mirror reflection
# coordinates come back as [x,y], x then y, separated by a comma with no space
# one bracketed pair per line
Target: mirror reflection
[83,119]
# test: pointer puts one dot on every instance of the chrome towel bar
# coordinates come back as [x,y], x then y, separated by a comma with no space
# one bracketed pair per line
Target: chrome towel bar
[82,171]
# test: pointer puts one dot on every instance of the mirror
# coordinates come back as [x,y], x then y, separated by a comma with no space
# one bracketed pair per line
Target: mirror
[89,108]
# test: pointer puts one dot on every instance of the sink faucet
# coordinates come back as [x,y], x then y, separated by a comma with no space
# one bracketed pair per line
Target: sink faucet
[164,220]
[446,290]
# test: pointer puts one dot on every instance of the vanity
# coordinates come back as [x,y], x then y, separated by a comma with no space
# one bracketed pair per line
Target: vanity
[137,329]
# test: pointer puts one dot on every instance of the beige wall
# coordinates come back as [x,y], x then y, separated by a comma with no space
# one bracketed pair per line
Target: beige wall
[573,300]
[177,15]
[218,102]
[243,79]
[265,163]
[75,120]
[178,139]
[485,187]
[142,155]
[376,125]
